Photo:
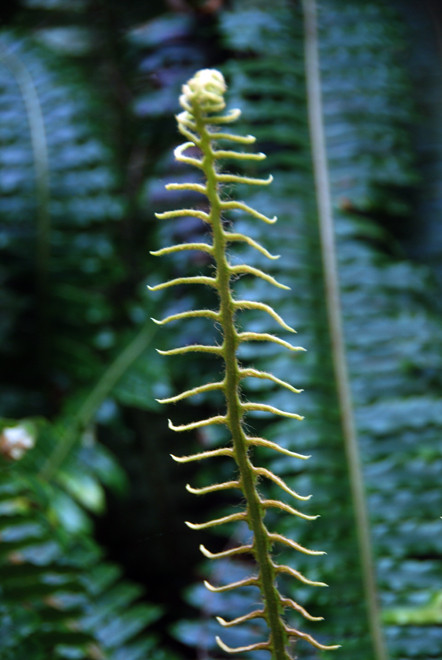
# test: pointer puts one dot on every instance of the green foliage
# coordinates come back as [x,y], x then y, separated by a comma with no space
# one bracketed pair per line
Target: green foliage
[76,226]
[58,204]
[59,270]
[59,599]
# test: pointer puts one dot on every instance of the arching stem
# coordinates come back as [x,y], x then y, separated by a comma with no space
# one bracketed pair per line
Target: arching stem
[334,315]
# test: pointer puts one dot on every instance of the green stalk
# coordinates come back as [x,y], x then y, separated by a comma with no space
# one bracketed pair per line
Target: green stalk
[255,517]
[334,313]
[37,134]
[86,412]
[202,123]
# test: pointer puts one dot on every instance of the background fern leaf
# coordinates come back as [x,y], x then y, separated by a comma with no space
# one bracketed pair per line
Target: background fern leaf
[123,64]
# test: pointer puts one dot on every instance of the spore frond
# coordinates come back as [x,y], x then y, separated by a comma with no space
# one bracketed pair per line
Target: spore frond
[203,123]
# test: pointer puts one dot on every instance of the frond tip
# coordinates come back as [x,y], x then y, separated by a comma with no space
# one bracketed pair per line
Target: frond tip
[206,90]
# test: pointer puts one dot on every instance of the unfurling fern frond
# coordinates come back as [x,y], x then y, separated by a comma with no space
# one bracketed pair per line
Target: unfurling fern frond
[203,123]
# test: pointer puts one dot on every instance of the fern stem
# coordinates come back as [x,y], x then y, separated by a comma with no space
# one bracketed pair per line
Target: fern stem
[235,410]
[334,314]
[95,398]
[37,134]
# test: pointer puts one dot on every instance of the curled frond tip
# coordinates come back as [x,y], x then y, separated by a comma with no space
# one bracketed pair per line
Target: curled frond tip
[205,90]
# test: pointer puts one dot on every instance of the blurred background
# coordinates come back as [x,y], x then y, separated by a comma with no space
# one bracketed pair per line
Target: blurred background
[93,516]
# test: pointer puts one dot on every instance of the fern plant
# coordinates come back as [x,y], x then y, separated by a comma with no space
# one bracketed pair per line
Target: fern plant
[58,206]
[202,122]
[59,597]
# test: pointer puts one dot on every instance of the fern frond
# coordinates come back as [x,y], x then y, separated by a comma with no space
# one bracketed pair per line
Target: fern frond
[246,582]
[251,181]
[256,614]
[292,632]
[256,373]
[203,102]
[214,488]
[276,504]
[196,279]
[252,304]
[241,206]
[232,237]
[193,313]
[244,269]
[263,407]
[292,544]
[288,602]
[262,442]
[216,419]
[179,155]
[57,574]
[241,156]
[242,649]
[242,549]
[298,575]
[193,348]
[265,336]
[225,451]
[280,482]
[204,247]
[209,387]
[233,517]
[193,213]
[193,187]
